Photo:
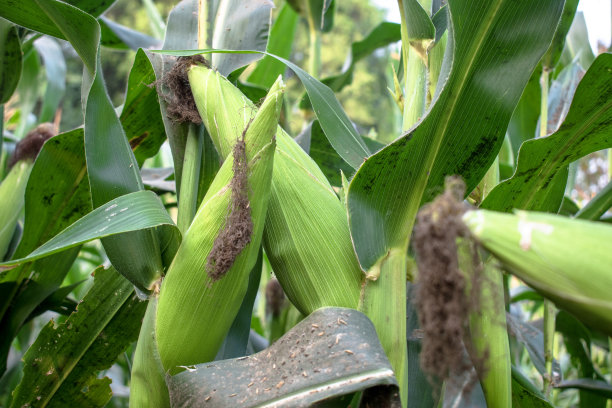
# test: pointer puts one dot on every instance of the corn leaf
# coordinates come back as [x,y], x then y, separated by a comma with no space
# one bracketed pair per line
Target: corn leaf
[280,43]
[88,341]
[584,131]
[463,131]
[525,394]
[128,213]
[299,369]
[112,168]
[93,7]
[57,195]
[239,25]
[141,116]
[55,71]
[418,23]
[11,59]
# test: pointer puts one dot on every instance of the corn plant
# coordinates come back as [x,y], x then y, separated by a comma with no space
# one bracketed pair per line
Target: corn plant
[236,264]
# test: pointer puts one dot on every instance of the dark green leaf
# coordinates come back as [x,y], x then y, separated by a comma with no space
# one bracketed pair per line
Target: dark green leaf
[524,120]
[10,60]
[463,131]
[440,22]
[553,54]
[141,116]
[584,131]
[57,19]
[93,7]
[299,369]
[57,351]
[525,394]
[57,195]
[82,387]
[568,207]
[279,43]
[128,213]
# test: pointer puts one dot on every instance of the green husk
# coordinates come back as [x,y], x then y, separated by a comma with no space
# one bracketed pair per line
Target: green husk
[567,260]
[147,384]
[197,308]
[12,191]
[306,238]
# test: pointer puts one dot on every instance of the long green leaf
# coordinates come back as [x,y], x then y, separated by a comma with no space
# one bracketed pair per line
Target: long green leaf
[10,60]
[280,43]
[585,130]
[128,213]
[57,351]
[93,7]
[417,21]
[240,25]
[553,54]
[464,129]
[141,116]
[52,18]
[82,387]
[55,71]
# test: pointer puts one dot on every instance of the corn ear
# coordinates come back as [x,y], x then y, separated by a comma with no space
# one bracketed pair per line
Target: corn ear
[196,311]
[147,385]
[567,260]
[306,238]
[12,191]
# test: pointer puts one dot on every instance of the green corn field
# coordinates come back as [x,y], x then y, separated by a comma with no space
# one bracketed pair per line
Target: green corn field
[296,203]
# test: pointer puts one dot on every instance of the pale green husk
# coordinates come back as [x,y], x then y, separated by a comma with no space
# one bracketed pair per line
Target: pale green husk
[194,312]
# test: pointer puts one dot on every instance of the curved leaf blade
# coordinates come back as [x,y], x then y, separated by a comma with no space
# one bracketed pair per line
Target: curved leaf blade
[128,213]
[11,60]
[56,352]
[586,129]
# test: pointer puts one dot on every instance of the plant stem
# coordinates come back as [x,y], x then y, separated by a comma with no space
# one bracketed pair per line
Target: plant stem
[384,302]
[314,51]
[188,195]
[488,331]
[202,24]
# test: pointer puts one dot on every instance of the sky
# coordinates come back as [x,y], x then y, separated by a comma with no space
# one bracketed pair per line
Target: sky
[596,12]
